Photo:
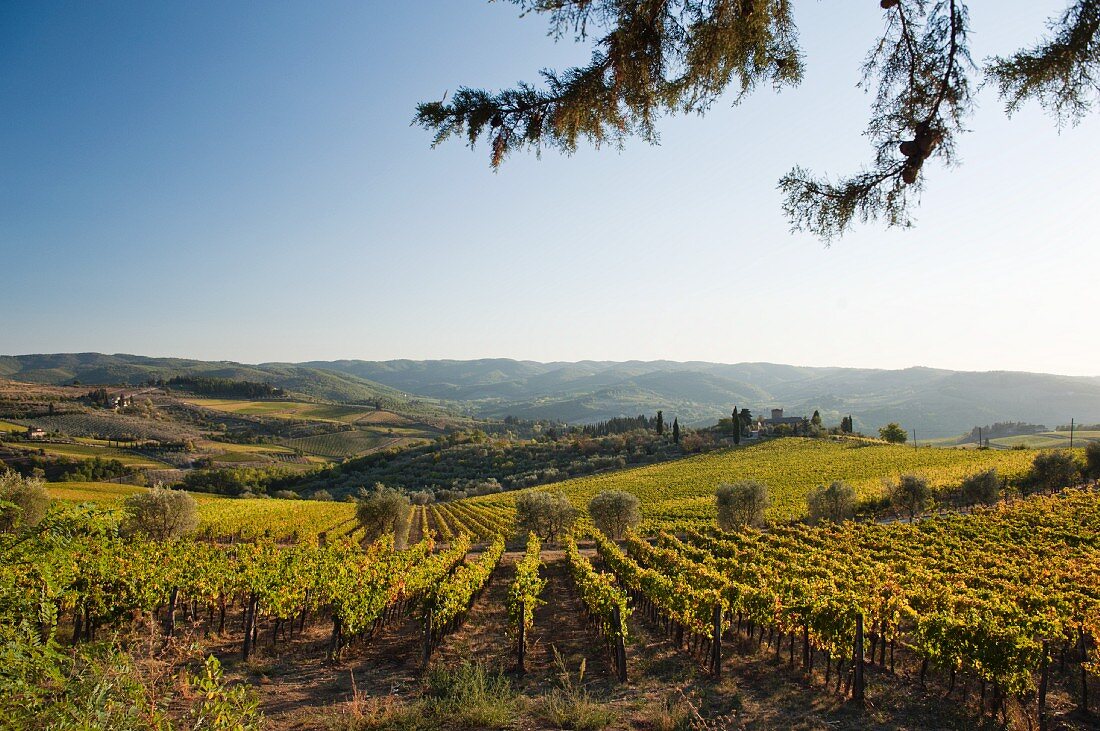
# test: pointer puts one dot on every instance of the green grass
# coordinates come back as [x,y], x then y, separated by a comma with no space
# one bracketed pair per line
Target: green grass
[90,451]
[7,426]
[682,491]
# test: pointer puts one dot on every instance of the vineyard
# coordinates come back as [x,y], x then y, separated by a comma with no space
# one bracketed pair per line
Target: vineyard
[285,409]
[994,597]
[998,608]
[346,443]
[679,495]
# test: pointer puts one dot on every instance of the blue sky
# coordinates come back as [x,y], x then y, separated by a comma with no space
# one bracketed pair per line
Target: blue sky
[241,181]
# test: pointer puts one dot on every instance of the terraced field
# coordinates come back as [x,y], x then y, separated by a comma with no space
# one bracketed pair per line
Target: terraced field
[90,451]
[681,493]
[114,426]
[287,409]
[7,426]
[352,443]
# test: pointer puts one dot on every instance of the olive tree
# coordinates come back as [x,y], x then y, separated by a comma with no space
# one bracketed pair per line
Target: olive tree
[549,515]
[893,433]
[1053,470]
[912,494]
[23,501]
[384,510]
[983,487]
[160,513]
[614,512]
[836,502]
[1092,460]
[741,503]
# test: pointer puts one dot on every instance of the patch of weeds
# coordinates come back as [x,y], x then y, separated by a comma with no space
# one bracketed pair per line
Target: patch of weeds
[665,715]
[382,714]
[469,696]
[569,706]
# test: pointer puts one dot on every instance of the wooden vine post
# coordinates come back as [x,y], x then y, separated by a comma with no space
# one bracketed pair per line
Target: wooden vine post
[620,643]
[857,654]
[1044,679]
[716,644]
[521,651]
[426,655]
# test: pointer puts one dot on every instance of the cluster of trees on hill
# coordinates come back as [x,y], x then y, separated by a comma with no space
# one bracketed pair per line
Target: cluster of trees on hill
[239,481]
[624,424]
[1002,429]
[209,386]
[63,469]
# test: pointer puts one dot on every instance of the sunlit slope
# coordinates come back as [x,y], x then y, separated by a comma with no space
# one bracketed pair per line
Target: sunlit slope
[683,490]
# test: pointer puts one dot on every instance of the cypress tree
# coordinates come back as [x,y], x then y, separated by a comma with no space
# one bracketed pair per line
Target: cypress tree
[660,423]
[736,427]
[676,430]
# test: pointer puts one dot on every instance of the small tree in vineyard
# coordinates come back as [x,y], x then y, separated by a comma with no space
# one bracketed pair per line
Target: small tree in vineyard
[160,514]
[1092,460]
[983,488]
[23,501]
[549,515]
[836,502]
[911,494]
[741,504]
[614,512]
[1053,470]
[383,510]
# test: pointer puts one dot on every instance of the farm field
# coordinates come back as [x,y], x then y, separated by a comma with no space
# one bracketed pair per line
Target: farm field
[349,443]
[681,493]
[222,516]
[1046,440]
[286,409]
[90,451]
[7,426]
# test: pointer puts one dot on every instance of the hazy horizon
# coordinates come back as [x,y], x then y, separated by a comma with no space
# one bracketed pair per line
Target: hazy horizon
[216,183]
[678,361]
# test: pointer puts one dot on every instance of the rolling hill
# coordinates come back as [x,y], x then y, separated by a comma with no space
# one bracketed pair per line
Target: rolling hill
[935,402]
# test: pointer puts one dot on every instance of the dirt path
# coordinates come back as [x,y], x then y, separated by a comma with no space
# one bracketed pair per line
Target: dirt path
[299,687]
[483,636]
[560,626]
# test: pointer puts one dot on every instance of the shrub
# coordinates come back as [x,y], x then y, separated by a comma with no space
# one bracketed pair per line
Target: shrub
[1092,460]
[741,504]
[911,494]
[1052,470]
[549,515]
[836,502]
[984,488]
[614,512]
[470,696]
[381,511]
[160,514]
[23,501]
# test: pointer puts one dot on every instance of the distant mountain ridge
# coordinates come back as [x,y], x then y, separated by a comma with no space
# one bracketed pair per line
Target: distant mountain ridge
[122,369]
[935,402]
